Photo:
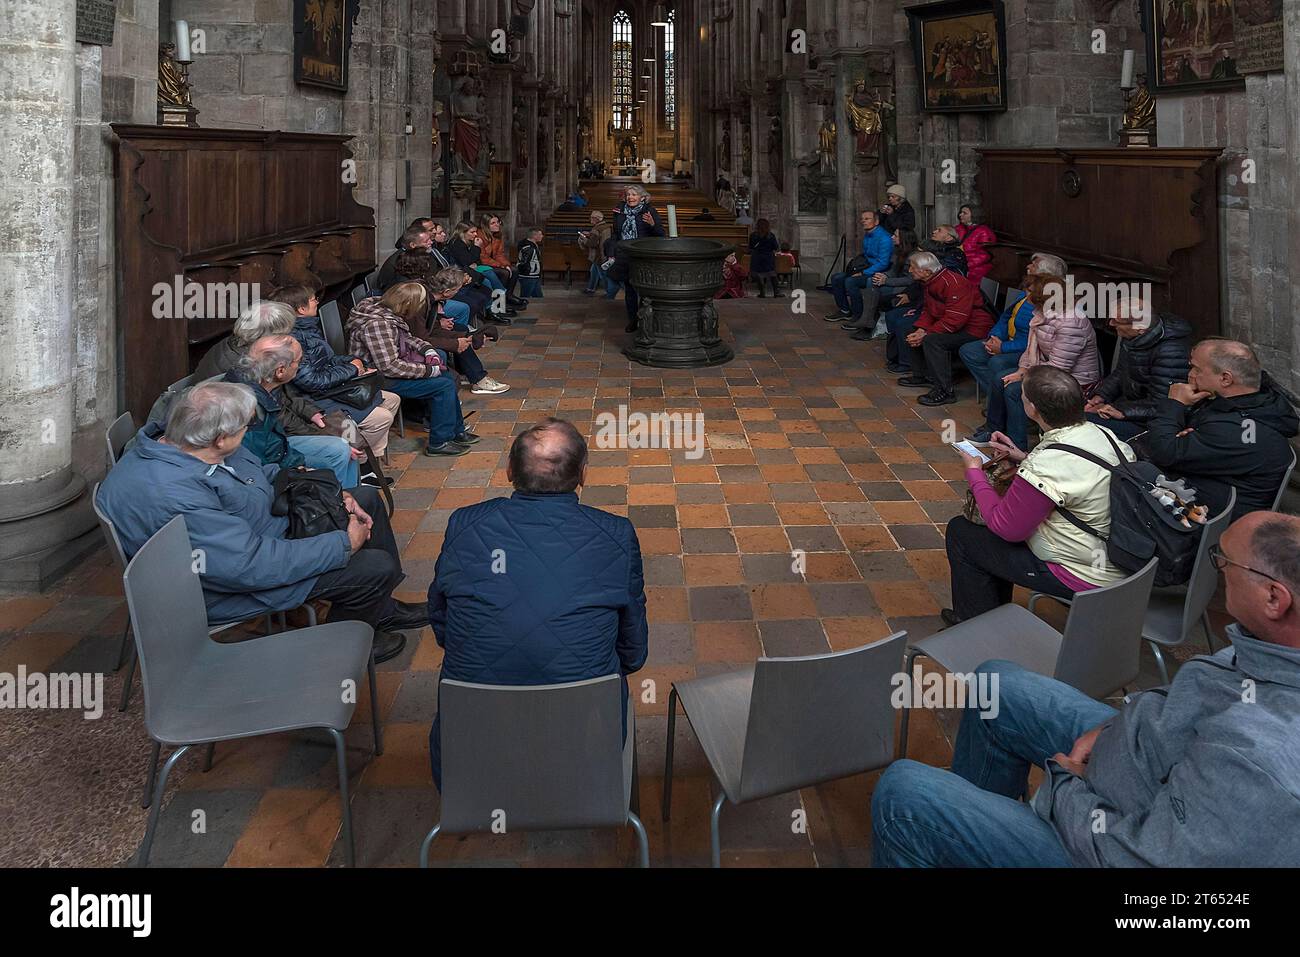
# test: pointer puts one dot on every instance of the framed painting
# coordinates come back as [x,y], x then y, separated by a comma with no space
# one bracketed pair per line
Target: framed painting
[1191,45]
[496,191]
[961,60]
[322,34]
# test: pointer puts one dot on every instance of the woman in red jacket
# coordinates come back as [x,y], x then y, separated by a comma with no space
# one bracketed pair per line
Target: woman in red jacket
[974,237]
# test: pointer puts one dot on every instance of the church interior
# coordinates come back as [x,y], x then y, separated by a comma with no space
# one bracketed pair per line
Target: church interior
[745,247]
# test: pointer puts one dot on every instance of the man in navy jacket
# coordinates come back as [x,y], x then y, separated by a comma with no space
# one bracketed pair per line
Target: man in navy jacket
[536,589]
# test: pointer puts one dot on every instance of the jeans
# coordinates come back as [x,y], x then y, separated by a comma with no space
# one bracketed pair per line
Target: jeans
[468,364]
[971,816]
[984,366]
[1123,428]
[490,277]
[442,404]
[933,359]
[612,286]
[328,452]
[984,568]
[1007,412]
[457,311]
[865,306]
[899,322]
[362,590]
[530,287]
[594,277]
[847,291]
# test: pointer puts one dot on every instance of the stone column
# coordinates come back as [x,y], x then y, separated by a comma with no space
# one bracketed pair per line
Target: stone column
[44,508]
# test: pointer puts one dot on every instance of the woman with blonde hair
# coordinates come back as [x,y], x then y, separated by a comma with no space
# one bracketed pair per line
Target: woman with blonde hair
[492,253]
[379,333]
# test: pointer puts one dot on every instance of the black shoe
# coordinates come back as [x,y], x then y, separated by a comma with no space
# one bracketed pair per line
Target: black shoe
[937,397]
[897,369]
[406,616]
[500,318]
[862,335]
[517,302]
[374,480]
[446,448]
[837,317]
[916,382]
[387,645]
[467,438]
[983,434]
[949,617]
[630,327]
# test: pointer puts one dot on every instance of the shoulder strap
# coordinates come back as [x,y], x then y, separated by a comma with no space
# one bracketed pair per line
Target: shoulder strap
[1096,460]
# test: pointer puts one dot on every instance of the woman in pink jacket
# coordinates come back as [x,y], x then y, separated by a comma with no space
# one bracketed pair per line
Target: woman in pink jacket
[974,237]
[1059,337]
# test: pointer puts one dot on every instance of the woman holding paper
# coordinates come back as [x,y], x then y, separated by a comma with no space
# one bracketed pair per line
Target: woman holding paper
[634,218]
[1026,539]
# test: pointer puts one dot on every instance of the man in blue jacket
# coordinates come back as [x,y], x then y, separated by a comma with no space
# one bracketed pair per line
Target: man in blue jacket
[848,287]
[248,565]
[999,354]
[536,589]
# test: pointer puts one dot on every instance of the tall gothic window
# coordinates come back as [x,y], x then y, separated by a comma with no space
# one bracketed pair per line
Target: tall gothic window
[670,72]
[622,71]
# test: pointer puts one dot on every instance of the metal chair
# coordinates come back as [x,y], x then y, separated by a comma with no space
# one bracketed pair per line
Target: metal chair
[356,294]
[1286,478]
[788,723]
[369,282]
[1097,653]
[118,435]
[198,691]
[331,324]
[546,757]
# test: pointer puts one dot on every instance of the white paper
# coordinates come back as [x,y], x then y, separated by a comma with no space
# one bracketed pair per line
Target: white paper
[966,446]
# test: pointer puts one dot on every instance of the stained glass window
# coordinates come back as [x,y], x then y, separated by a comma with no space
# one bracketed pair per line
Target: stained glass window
[670,72]
[622,71]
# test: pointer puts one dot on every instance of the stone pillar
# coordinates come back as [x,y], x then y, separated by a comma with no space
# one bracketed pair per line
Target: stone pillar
[44,509]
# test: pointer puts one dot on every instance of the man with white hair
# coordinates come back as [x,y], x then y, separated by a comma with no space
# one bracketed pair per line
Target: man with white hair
[262,318]
[198,467]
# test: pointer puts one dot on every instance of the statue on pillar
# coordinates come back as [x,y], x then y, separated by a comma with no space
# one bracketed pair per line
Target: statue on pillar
[746,147]
[827,141]
[519,136]
[724,149]
[775,152]
[468,136]
[865,119]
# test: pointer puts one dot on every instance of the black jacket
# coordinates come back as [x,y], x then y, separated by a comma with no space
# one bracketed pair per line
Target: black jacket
[903,217]
[465,255]
[1147,366]
[951,255]
[1240,441]
[387,273]
[643,229]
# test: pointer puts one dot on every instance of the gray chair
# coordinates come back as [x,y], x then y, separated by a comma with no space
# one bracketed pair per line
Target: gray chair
[356,294]
[547,757]
[198,691]
[1286,478]
[1097,653]
[331,324]
[788,723]
[118,435]
[1174,612]
[371,276]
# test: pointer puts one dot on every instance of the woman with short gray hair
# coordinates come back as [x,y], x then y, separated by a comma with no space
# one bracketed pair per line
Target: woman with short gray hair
[634,218]
[263,318]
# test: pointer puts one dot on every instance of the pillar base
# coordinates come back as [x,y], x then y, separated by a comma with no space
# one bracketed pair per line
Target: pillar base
[37,572]
[46,527]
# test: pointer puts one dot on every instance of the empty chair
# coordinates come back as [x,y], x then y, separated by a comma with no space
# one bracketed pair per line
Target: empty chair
[118,435]
[199,691]
[536,758]
[1097,653]
[788,723]
[331,324]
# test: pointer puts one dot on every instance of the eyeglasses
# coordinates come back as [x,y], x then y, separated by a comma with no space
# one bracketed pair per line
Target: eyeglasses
[1220,561]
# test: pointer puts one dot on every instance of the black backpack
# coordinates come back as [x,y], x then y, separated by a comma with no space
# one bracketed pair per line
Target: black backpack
[1140,526]
[313,500]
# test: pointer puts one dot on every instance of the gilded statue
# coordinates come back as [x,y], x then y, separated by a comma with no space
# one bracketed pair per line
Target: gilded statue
[1140,113]
[827,139]
[865,119]
[173,87]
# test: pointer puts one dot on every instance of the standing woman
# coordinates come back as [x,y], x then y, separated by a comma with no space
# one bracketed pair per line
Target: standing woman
[763,245]
[634,218]
[974,237]
[492,253]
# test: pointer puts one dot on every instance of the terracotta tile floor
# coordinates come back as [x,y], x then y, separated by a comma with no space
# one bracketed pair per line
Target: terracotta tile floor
[811,447]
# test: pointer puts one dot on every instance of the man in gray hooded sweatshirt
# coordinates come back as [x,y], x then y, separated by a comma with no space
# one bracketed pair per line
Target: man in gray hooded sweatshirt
[1202,773]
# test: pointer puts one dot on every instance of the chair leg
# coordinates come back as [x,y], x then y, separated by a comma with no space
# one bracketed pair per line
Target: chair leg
[426,844]
[401,423]
[636,778]
[1209,632]
[208,756]
[126,685]
[124,647]
[311,614]
[668,753]
[149,774]
[909,662]
[374,707]
[339,749]
[1160,663]
[643,842]
[715,836]
[142,858]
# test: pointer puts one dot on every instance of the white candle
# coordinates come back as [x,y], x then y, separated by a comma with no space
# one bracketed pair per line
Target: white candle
[1126,75]
[672,220]
[183,42]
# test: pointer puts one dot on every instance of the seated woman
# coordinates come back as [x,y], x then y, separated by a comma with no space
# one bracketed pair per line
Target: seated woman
[379,333]
[1025,539]
[733,279]
[1058,337]
[894,289]
[466,251]
[492,252]
[974,237]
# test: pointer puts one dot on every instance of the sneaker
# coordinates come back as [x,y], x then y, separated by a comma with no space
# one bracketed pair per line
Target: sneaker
[446,448]
[489,386]
[387,645]
[588,292]
[916,382]
[468,438]
[937,397]
[838,316]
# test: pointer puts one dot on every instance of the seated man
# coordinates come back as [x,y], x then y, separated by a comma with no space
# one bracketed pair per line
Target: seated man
[853,287]
[952,314]
[1199,774]
[537,589]
[1153,353]
[199,468]
[1227,426]
[999,354]
[449,331]
[946,244]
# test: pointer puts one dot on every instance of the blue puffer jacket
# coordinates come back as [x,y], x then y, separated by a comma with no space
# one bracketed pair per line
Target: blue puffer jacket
[321,370]
[535,590]
[878,251]
[248,565]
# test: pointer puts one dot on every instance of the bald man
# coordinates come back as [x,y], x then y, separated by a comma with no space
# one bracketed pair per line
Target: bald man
[1228,426]
[1202,773]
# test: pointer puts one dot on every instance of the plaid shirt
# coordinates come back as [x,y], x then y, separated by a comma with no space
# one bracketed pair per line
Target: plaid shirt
[383,340]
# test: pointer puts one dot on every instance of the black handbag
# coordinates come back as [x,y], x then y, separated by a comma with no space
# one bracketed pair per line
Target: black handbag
[358,392]
[856,265]
[313,501]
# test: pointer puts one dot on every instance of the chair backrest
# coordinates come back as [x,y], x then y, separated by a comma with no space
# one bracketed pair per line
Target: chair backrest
[117,435]
[356,294]
[168,615]
[1281,489]
[992,291]
[371,277]
[821,717]
[548,757]
[181,384]
[1205,577]
[332,325]
[110,531]
[1102,643]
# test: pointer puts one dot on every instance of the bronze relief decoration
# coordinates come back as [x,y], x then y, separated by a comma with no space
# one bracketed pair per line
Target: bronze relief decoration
[322,34]
[961,60]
